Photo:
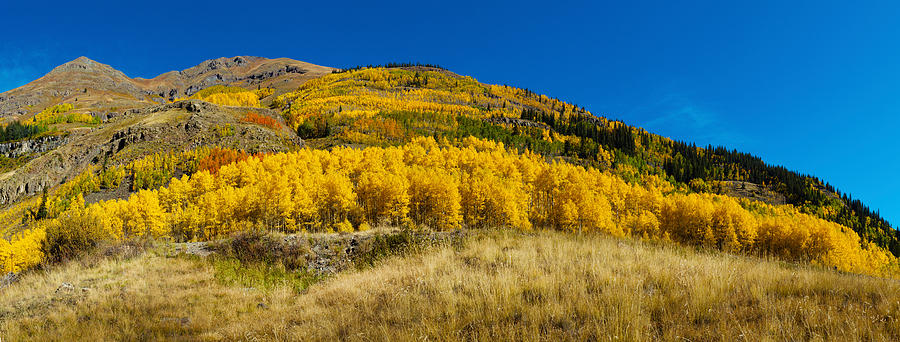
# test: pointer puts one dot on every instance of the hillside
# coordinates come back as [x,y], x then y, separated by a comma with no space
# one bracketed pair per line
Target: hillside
[110,111]
[92,161]
[379,104]
[374,106]
[493,285]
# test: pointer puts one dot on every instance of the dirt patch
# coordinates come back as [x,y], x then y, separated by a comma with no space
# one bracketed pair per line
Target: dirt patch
[753,191]
[122,192]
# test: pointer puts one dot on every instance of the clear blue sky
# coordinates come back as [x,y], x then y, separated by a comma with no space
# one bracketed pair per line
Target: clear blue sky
[811,85]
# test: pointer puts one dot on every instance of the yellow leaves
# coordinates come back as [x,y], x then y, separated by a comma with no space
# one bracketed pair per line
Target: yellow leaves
[384,196]
[264,92]
[604,158]
[642,224]
[232,96]
[144,215]
[721,222]
[243,99]
[715,221]
[362,93]
[434,184]
[344,227]
[24,251]
[152,171]
[434,199]
[491,200]
[574,200]
[5,253]
[336,197]
[110,178]
[60,114]
[568,216]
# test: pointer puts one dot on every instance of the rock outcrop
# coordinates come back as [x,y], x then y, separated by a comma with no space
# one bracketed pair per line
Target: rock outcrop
[170,127]
[28,146]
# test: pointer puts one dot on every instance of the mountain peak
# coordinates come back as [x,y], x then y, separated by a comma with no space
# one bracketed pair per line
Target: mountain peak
[83,64]
[82,60]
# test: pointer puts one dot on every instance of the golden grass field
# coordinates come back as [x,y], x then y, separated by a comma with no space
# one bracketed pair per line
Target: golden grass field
[493,286]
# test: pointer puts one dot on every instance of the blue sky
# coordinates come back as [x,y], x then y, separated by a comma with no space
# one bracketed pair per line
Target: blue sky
[812,85]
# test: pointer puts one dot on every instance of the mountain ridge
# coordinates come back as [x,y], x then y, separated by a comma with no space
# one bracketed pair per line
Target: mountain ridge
[100,82]
[378,106]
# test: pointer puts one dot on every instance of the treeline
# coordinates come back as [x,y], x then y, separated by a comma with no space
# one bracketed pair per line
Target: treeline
[16,130]
[388,65]
[425,183]
[592,135]
[804,191]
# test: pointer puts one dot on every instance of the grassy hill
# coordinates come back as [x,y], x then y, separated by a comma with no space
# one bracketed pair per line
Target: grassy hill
[496,284]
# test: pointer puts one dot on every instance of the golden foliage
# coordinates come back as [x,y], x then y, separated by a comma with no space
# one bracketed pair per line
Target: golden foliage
[265,92]
[244,99]
[22,251]
[230,96]
[60,114]
[476,184]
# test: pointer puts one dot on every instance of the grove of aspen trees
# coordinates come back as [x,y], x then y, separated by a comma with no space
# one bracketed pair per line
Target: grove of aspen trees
[388,106]
[433,161]
[474,184]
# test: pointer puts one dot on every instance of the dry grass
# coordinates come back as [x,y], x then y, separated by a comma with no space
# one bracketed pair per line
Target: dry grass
[504,286]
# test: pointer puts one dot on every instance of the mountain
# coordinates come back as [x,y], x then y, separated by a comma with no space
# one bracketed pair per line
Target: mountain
[272,199]
[94,82]
[87,132]
[98,86]
[134,113]
[281,73]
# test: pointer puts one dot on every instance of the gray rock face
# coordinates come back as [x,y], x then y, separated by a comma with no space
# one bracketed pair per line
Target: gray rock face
[219,71]
[516,122]
[24,147]
[73,154]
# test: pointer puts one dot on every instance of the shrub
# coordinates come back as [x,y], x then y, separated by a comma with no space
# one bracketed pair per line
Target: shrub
[262,120]
[219,157]
[71,237]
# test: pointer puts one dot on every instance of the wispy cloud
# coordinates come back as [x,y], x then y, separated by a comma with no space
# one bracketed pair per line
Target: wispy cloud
[678,116]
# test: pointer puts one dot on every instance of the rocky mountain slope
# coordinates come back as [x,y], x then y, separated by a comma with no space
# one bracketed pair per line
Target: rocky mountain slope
[283,74]
[98,86]
[136,117]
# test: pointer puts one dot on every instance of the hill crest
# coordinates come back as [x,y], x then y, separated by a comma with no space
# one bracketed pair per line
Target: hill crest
[84,79]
